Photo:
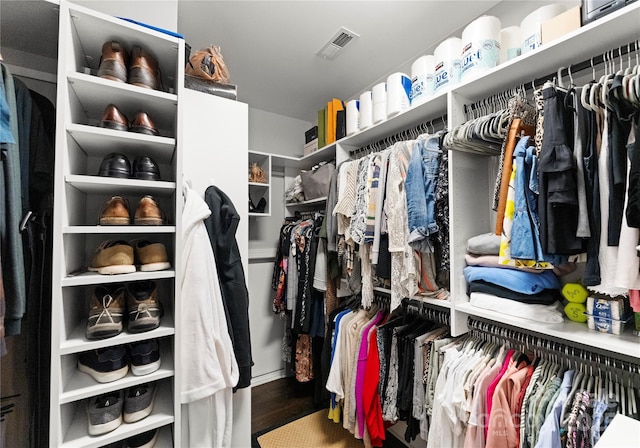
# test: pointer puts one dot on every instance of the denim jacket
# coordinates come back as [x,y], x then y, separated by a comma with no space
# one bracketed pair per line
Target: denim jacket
[420,183]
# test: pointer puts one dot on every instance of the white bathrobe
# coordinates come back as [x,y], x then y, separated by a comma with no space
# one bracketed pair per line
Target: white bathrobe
[208,367]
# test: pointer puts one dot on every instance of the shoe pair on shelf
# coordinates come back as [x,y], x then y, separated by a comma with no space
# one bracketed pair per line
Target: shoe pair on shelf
[117,257]
[113,118]
[107,309]
[259,208]
[144,440]
[137,67]
[112,363]
[115,212]
[106,412]
[117,165]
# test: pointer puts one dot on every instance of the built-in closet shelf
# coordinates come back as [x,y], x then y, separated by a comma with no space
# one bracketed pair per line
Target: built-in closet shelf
[113,185]
[119,229]
[98,142]
[259,185]
[307,204]
[625,344]
[321,155]
[94,94]
[93,278]
[427,300]
[81,385]
[94,31]
[77,435]
[78,343]
[257,214]
[577,46]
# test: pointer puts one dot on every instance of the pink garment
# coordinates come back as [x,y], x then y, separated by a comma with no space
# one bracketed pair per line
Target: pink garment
[634,299]
[360,369]
[478,420]
[502,432]
[494,383]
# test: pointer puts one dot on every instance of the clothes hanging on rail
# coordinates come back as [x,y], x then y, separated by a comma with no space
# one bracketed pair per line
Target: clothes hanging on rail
[211,372]
[27,152]
[380,362]
[221,226]
[488,394]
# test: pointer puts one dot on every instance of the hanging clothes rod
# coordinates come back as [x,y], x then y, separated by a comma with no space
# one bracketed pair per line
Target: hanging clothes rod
[607,56]
[559,352]
[416,306]
[411,133]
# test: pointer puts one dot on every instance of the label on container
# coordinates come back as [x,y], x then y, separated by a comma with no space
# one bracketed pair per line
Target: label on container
[421,87]
[532,42]
[479,56]
[446,74]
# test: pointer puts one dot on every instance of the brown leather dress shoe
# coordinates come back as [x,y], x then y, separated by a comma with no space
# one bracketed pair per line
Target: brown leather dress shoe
[113,63]
[148,213]
[144,71]
[112,118]
[115,212]
[143,124]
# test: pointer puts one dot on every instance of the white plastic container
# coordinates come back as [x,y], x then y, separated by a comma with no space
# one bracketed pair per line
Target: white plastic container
[422,74]
[480,46]
[448,60]
[379,100]
[398,93]
[366,110]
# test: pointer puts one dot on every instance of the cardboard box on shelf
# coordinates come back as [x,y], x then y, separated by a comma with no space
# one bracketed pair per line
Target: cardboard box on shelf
[310,147]
[560,25]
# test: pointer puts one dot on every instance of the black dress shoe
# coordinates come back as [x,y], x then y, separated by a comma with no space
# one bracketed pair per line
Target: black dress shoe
[115,165]
[144,167]
[262,203]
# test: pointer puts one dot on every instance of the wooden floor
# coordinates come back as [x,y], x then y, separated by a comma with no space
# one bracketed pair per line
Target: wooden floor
[278,401]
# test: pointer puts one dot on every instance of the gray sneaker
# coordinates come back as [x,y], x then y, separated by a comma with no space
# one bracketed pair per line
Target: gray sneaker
[104,413]
[138,402]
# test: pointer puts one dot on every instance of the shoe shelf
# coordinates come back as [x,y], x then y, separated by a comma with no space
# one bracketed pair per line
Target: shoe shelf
[97,142]
[93,278]
[118,229]
[77,342]
[81,146]
[75,422]
[80,385]
[90,95]
[98,184]
[90,31]
[260,190]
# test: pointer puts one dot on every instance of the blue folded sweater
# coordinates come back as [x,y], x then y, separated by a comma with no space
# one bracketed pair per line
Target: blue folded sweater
[519,281]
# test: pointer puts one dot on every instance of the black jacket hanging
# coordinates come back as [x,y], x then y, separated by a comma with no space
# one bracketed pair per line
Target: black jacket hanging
[221,226]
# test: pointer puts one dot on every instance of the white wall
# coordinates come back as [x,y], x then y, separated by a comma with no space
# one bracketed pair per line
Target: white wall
[162,14]
[271,133]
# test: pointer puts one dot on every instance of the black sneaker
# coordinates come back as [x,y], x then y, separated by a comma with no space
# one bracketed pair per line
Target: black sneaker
[144,440]
[145,357]
[105,364]
[105,412]
[138,402]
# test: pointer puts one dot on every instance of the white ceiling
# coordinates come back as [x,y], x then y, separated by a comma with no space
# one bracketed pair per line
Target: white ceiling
[269,46]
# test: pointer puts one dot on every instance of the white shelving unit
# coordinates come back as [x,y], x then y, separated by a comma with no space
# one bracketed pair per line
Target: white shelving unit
[81,146]
[471,176]
[259,190]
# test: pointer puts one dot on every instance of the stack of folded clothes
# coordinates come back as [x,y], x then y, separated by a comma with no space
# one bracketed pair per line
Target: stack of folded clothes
[520,292]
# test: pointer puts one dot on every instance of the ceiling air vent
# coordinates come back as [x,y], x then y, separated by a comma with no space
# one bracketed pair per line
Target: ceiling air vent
[331,49]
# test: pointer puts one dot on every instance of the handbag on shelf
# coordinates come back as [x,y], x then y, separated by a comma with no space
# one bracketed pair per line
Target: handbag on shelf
[315,182]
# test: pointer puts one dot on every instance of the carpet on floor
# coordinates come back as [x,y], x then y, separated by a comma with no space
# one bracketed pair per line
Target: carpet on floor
[312,430]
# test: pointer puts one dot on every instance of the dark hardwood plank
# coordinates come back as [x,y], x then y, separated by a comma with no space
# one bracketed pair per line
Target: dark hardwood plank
[278,401]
